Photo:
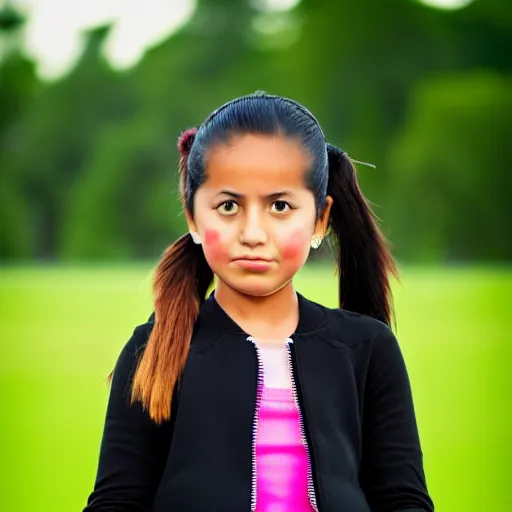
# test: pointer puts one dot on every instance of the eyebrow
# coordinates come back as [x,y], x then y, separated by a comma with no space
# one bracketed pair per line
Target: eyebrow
[237,195]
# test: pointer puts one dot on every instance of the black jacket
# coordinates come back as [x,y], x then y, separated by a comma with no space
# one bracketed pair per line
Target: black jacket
[355,401]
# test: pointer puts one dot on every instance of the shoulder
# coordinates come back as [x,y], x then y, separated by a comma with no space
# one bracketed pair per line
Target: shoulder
[140,335]
[134,347]
[372,343]
[348,328]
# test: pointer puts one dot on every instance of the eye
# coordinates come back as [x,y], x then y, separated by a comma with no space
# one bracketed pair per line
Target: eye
[228,208]
[280,207]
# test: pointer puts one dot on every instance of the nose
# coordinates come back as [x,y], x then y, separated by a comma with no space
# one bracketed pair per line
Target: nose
[253,230]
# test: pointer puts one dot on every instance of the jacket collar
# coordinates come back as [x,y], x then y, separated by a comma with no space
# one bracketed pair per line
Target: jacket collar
[311,317]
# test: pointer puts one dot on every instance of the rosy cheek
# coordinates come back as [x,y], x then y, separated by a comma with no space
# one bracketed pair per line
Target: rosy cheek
[213,247]
[212,237]
[293,247]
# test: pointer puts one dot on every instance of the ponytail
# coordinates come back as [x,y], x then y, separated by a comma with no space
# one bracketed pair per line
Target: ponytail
[181,281]
[364,261]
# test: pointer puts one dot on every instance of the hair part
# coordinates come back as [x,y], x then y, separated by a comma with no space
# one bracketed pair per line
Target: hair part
[183,277]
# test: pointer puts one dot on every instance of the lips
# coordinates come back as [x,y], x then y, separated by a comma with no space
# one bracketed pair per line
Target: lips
[253,263]
[253,258]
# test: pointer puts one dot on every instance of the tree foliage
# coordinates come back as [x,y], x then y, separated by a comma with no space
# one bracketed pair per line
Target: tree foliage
[88,163]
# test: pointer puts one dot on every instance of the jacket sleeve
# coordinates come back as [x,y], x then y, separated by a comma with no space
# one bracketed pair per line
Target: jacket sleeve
[392,474]
[132,447]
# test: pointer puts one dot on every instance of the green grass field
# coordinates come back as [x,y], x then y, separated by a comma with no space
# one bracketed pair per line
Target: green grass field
[61,330]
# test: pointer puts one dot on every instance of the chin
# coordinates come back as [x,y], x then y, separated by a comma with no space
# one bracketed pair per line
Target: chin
[255,286]
[255,289]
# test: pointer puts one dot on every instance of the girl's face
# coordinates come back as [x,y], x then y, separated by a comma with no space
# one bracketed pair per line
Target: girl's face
[254,213]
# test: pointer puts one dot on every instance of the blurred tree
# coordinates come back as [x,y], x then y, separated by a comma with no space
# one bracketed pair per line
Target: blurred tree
[18,83]
[126,203]
[17,77]
[59,135]
[94,170]
[451,198]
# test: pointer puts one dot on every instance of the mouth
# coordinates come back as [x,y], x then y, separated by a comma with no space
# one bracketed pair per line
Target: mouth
[252,258]
[253,263]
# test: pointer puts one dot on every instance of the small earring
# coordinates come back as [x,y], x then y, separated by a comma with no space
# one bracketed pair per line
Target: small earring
[195,237]
[316,240]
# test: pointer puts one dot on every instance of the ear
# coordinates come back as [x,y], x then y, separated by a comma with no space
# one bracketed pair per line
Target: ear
[322,222]
[190,221]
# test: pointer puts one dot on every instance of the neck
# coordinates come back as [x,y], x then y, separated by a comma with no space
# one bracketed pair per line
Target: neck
[269,319]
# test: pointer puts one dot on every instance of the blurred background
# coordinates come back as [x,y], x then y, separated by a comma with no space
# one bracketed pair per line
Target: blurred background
[93,96]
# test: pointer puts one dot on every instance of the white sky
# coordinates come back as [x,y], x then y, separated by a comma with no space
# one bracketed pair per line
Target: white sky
[447,4]
[53,32]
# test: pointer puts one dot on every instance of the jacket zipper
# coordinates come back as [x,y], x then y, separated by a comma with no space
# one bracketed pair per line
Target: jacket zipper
[259,393]
[311,486]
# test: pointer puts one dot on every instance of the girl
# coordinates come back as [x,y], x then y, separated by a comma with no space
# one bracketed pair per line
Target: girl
[255,398]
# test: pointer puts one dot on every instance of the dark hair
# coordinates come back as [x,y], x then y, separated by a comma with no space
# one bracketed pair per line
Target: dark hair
[183,275]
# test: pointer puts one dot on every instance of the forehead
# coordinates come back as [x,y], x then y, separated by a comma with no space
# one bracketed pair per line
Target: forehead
[257,164]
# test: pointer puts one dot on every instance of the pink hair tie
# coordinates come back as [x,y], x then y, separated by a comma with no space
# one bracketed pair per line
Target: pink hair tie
[186,140]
